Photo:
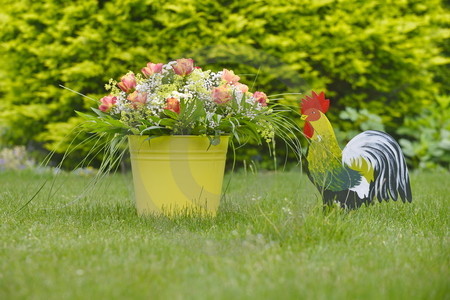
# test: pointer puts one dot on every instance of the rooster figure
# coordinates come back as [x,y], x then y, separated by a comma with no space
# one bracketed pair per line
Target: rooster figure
[370,166]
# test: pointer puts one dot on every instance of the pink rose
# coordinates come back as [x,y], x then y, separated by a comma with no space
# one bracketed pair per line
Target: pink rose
[221,94]
[107,103]
[230,77]
[241,87]
[137,99]
[184,66]
[173,104]
[151,69]
[127,83]
[261,98]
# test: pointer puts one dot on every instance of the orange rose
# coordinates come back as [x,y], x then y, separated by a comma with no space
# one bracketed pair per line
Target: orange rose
[221,94]
[137,99]
[127,83]
[173,104]
[184,66]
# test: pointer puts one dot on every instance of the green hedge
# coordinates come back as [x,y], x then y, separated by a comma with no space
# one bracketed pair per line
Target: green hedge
[387,58]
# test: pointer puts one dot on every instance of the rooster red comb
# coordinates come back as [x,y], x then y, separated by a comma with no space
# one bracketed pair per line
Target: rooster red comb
[316,101]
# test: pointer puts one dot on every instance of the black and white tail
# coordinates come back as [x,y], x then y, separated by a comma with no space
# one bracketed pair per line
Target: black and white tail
[384,156]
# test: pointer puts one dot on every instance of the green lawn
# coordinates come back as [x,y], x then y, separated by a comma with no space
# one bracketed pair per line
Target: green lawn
[271,240]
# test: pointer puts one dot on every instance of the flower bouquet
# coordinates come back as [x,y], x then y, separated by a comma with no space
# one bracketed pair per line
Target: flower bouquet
[179,100]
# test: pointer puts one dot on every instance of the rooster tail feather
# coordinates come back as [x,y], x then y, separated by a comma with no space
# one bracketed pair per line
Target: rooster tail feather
[384,155]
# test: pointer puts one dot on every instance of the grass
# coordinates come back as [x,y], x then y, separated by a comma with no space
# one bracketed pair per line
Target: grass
[271,240]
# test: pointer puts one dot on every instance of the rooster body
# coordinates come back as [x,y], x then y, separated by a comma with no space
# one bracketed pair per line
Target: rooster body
[370,166]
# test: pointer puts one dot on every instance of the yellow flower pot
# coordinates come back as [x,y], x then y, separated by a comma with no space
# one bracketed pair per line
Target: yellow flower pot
[177,174]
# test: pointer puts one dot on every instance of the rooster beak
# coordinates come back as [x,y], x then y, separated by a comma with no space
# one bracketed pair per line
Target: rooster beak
[303,117]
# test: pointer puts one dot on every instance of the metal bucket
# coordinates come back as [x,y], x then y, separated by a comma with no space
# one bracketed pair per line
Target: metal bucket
[177,174]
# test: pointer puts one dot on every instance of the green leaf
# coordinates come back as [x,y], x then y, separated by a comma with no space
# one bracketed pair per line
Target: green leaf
[171,114]
[167,122]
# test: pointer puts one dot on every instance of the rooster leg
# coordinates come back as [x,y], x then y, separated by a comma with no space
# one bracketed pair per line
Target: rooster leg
[347,199]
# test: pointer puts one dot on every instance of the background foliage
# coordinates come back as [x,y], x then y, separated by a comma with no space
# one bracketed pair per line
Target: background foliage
[386,59]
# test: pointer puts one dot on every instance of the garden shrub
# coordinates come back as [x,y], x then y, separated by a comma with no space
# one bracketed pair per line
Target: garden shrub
[426,138]
[384,58]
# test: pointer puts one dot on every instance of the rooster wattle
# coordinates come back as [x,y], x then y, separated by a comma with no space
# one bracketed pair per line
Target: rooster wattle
[371,166]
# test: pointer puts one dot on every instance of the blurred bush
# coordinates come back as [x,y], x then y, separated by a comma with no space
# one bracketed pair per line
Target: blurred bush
[380,58]
[426,138]
[360,120]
